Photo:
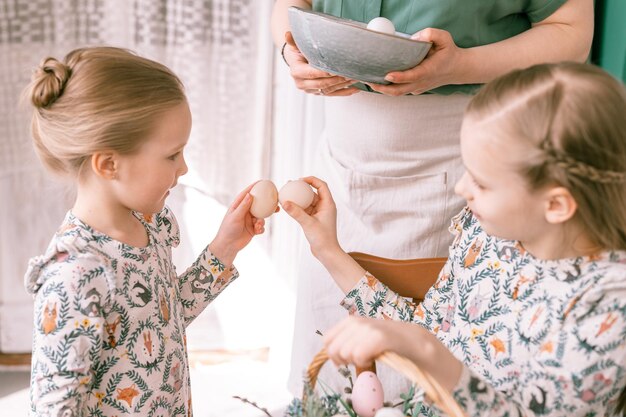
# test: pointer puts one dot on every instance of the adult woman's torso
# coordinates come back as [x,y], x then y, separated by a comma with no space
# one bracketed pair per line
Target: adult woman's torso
[392,162]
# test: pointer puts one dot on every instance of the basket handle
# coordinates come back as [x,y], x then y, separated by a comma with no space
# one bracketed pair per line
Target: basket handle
[439,396]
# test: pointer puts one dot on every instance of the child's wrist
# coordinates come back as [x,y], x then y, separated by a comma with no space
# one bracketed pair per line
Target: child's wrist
[225,253]
[345,271]
[328,253]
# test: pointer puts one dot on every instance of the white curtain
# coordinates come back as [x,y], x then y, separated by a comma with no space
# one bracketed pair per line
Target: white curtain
[297,127]
[221,49]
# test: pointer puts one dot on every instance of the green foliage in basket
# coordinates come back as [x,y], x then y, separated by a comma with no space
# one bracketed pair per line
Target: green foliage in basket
[329,403]
[314,405]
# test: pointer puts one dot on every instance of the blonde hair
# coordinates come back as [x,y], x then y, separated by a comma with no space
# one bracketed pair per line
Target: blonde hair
[571,119]
[99,98]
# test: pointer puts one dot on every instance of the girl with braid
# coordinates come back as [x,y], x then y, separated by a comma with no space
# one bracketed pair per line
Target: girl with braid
[528,316]
[110,308]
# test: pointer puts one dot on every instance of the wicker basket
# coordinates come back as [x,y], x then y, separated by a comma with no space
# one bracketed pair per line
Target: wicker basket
[439,396]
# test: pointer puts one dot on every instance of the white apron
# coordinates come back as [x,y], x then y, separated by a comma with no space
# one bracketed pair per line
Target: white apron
[391,164]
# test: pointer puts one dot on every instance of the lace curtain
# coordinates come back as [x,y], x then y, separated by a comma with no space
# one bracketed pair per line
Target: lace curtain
[221,50]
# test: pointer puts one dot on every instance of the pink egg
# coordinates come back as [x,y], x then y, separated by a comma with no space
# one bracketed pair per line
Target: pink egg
[367,394]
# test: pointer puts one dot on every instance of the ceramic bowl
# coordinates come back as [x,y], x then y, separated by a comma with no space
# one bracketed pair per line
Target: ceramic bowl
[347,48]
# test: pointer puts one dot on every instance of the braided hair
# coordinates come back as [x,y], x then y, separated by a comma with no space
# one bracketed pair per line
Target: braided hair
[571,120]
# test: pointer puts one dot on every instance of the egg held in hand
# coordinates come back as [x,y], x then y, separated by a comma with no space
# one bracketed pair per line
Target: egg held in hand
[382,24]
[367,394]
[298,192]
[264,199]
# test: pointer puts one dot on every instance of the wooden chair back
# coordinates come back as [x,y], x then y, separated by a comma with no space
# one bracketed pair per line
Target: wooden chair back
[410,278]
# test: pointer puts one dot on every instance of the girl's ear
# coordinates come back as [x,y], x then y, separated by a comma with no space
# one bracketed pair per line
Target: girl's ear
[560,205]
[104,164]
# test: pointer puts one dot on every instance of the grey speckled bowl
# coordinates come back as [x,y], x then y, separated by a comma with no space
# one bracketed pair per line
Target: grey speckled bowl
[346,47]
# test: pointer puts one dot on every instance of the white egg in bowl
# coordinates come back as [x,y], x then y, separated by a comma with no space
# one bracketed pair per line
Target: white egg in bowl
[352,49]
[382,24]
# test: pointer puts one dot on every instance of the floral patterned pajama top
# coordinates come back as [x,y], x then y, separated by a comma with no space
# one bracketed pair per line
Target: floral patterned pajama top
[109,336]
[537,337]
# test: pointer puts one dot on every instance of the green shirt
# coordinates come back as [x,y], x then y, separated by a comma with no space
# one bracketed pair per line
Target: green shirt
[470,22]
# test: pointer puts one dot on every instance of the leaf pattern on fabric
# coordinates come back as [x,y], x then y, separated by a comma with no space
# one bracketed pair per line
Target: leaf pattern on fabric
[110,319]
[537,337]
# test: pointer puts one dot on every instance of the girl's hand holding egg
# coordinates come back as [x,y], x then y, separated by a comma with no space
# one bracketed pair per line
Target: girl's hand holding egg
[319,220]
[266,196]
[238,227]
[316,212]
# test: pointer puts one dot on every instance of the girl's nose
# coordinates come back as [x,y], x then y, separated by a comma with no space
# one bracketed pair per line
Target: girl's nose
[184,169]
[461,187]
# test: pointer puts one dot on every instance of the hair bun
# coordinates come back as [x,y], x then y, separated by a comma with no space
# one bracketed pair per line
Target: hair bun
[48,82]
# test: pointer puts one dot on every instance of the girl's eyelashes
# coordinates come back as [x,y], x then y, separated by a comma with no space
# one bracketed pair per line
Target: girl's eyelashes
[480,187]
[174,156]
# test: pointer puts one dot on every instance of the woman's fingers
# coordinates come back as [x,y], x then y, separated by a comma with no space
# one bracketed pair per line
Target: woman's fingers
[310,79]
[341,89]
[290,40]
[338,83]
[438,68]
[348,91]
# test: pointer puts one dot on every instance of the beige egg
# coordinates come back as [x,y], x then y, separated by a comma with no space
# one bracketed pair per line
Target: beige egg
[298,192]
[265,199]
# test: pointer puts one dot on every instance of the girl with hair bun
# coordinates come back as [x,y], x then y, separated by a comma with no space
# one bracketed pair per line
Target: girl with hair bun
[110,309]
[528,316]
